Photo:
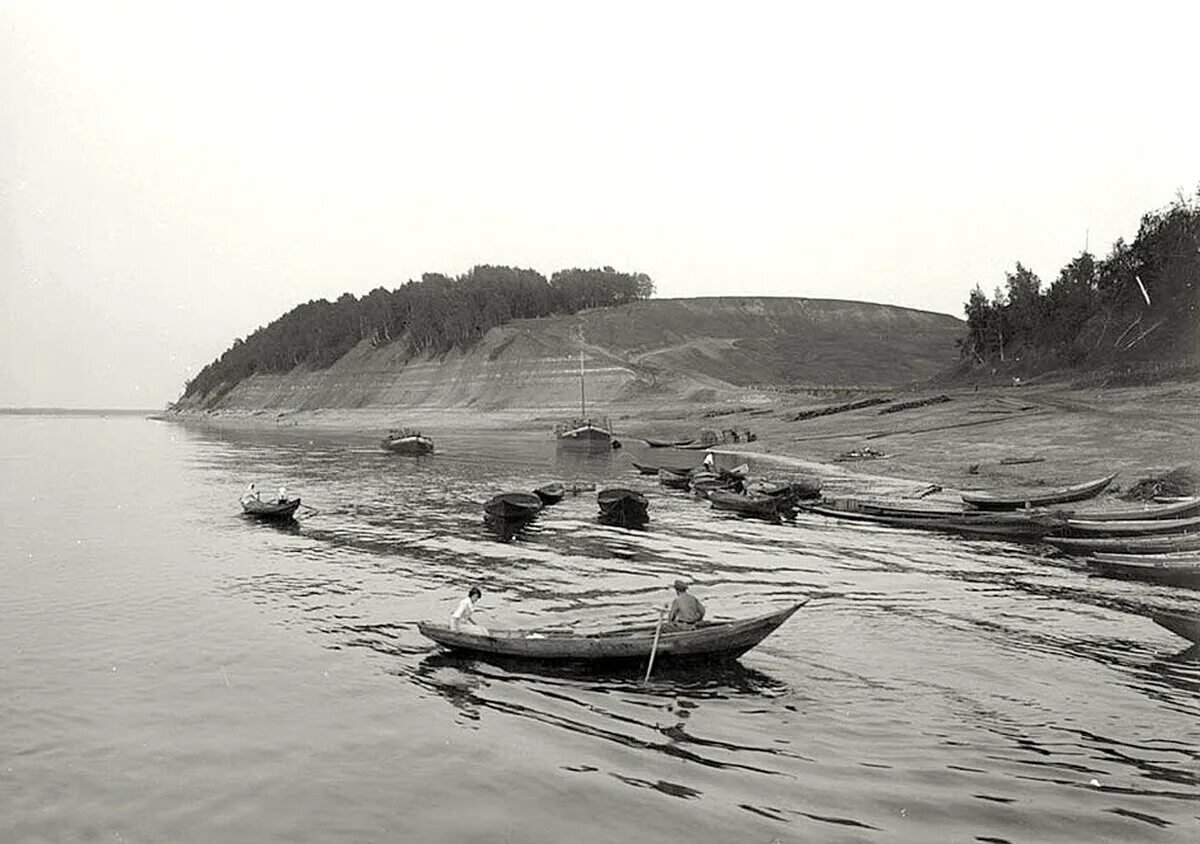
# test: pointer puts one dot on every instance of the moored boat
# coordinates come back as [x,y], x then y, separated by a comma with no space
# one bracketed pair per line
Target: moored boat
[719,640]
[1175,510]
[668,443]
[1149,568]
[513,505]
[623,507]
[764,506]
[1014,526]
[407,441]
[1138,527]
[282,510]
[551,493]
[1182,624]
[644,468]
[1127,544]
[1036,498]
[675,478]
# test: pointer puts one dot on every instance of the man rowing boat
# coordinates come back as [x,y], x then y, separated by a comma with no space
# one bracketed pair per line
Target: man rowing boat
[686,610]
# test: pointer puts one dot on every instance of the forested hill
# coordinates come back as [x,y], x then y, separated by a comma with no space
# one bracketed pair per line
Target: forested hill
[642,351]
[430,316]
[1135,309]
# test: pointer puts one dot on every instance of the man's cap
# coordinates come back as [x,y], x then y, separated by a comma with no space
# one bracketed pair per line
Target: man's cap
[681,584]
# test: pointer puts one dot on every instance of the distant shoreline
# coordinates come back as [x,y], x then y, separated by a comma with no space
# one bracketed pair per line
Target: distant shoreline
[78,411]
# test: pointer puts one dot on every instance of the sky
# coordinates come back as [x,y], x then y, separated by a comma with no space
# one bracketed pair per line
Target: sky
[175,175]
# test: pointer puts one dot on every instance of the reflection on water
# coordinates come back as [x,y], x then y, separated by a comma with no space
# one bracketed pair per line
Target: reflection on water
[267,682]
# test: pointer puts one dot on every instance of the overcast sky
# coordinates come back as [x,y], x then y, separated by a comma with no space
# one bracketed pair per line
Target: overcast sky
[173,176]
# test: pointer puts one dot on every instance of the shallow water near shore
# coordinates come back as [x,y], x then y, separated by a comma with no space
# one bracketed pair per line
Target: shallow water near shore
[173,672]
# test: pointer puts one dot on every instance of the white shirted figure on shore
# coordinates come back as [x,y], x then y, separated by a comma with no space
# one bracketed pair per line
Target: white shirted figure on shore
[463,617]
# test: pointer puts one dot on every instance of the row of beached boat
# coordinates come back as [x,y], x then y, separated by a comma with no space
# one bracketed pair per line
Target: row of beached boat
[732,490]
[618,506]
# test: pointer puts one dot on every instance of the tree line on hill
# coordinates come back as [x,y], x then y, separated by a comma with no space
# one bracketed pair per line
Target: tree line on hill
[433,315]
[1137,304]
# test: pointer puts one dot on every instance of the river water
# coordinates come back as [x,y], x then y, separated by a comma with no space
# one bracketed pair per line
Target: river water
[172,672]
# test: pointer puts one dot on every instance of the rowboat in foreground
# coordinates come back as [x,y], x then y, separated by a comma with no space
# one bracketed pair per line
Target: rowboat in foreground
[1161,569]
[271,510]
[1127,545]
[718,640]
[1182,624]
[1041,498]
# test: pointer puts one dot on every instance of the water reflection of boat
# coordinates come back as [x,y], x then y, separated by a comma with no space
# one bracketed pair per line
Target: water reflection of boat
[708,641]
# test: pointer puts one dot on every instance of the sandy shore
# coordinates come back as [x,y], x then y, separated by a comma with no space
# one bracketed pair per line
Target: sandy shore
[979,439]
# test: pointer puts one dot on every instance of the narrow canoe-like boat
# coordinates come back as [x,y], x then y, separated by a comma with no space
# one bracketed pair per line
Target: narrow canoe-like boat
[765,506]
[271,510]
[669,443]
[797,489]
[407,442]
[1182,624]
[551,493]
[674,478]
[644,468]
[1036,498]
[513,505]
[719,640]
[1148,568]
[1138,527]
[1016,526]
[623,507]
[1127,545]
[894,507]
[1175,510]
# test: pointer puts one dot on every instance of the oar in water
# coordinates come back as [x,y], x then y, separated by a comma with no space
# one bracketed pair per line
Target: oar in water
[654,648]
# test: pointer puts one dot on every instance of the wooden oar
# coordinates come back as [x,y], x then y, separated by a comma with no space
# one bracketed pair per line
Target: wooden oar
[654,647]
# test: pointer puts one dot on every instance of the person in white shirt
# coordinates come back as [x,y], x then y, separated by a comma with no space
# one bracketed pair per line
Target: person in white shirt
[283,494]
[251,494]
[463,617]
[709,461]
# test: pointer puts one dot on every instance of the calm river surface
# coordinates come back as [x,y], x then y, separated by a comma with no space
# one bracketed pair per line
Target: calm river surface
[173,673]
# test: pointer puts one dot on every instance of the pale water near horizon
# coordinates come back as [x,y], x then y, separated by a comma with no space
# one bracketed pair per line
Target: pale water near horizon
[172,672]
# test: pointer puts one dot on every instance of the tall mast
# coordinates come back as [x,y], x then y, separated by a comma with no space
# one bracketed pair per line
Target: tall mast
[582,394]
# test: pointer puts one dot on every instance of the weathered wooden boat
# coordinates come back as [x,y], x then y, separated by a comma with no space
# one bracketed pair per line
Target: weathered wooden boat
[277,510]
[551,493]
[576,487]
[1182,624]
[1036,498]
[1175,510]
[717,640]
[1148,568]
[644,468]
[763,506]
[669,443]
[993,525]
[1127,544]
[674,478]
[623,507]
[1138,527]
[513,505]
[796,489]
[893,507]
[407,441]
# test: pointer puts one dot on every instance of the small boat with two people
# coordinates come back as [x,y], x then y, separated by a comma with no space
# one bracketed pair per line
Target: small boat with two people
[281,508]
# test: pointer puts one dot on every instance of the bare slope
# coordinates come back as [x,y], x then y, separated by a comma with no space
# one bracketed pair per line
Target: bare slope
[656,349]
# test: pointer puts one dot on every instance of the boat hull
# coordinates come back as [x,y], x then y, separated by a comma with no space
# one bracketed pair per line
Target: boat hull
[1185,573]
[623,507]
[1127,545]
[550,493]
[717,641]
[513,505]
[1181,624]
[761,506]
[1016,501]
[272,510]
[413,445]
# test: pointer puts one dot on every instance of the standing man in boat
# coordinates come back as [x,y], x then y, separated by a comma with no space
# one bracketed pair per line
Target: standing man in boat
[686,609]
[463,617]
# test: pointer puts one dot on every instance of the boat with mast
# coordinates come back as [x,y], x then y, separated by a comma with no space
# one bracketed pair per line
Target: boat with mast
[584,432]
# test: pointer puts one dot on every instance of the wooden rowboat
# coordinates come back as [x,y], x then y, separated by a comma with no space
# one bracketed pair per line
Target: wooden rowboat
[668,443]
[1127,545]
[1148,568]
[1015,501]
[510,506]
[675,478]
[550,493]
[1016,526]
[1176,510]
[271,510]
[707,641]
[765,506]
[1182,624]
[406,441]
[1138,527]
[623,507]
[644,468]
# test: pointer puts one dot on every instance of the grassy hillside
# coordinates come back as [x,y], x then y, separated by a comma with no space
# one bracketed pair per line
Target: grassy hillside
[663,349]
